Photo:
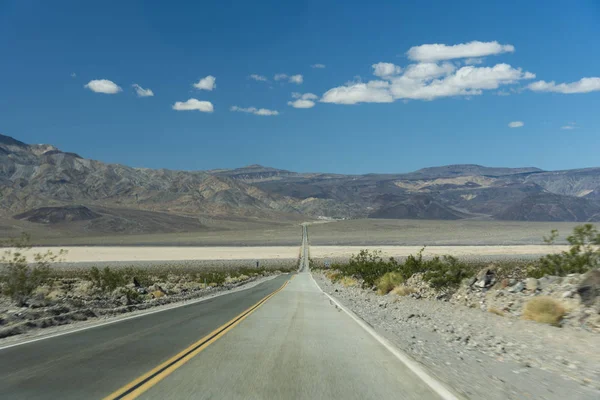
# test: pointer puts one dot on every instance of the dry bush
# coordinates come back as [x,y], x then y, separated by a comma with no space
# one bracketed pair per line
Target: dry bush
[388,282]
[544,309]
[496,311]
[348,281]
[403,290]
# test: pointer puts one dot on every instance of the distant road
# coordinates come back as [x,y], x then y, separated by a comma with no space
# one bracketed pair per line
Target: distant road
[267,342]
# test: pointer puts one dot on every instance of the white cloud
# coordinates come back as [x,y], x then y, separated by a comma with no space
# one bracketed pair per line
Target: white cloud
[516,124]
[258,78]
[383,69]
[474,61]
[427,82]
[428,70]
[438,52]
[303,100]
[194,104]
[297,79]
[73,75]
[372,92]
[300,103]
[305,96]
[255,111]
[103,86]
[141,92]
[318,66]
[207,83]
[584,85]
[569,126]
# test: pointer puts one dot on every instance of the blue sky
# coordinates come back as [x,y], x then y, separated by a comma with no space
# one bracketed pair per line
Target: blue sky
[429,105]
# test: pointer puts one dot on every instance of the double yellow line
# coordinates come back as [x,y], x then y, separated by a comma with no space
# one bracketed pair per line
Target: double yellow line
[135,388]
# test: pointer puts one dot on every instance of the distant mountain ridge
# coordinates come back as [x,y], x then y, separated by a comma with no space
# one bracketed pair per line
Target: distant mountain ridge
[35,177]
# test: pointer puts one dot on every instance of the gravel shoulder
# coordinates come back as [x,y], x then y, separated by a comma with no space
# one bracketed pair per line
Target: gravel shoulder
[479,354]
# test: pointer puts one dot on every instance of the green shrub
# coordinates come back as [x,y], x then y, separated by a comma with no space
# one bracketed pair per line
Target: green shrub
[446,272]
[389,281]
[581,257]
[107,280]
[19,278]
[367,266]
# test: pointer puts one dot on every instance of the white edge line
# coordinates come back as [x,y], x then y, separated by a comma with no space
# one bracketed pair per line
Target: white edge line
[434,384]
[143,314]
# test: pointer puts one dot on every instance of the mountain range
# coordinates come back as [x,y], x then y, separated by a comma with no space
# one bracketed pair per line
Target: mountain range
[43,185]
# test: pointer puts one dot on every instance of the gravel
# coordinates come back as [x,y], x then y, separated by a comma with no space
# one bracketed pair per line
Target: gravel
[480,354]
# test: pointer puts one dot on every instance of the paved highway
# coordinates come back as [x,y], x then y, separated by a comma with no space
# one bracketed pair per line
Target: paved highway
[283,339]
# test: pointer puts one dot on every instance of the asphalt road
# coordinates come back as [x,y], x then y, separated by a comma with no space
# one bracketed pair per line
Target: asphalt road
[295,344]
[93,363]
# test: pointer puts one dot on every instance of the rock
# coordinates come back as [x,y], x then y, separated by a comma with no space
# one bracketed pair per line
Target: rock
[517,288]
[589,288]
[485,278]
[567,294]
[531,284]
[157,294]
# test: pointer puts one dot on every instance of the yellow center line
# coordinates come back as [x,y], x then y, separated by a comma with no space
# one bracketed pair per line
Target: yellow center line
[138,386]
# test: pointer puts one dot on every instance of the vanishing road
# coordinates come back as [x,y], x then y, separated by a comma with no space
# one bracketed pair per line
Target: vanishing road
[282,339]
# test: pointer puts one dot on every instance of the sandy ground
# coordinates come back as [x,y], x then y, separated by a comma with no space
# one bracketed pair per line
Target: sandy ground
[149,253]
[457,251]
[162,253]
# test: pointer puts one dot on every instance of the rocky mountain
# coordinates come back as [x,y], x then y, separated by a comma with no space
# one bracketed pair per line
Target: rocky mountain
[42,184]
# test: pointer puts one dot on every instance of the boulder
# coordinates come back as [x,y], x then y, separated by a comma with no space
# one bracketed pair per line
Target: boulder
[589,288]
[485,278]
[532,284]
[517,288]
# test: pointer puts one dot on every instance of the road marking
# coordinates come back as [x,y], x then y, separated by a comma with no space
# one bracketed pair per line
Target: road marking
[138,386]
[143,313]
[433,383]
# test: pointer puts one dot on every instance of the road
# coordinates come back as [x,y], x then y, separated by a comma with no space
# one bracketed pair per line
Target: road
[281,339]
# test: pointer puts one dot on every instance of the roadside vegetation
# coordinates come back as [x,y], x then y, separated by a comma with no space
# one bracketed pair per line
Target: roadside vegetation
[446,275]
[36,292]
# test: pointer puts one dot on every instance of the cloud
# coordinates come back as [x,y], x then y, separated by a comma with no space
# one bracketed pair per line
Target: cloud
[516,124]
[303,100]
[372,92]
[439,52]
[103,86]
[427,81]
[428,70]
[383,69]
[297,79]
[569,126]
[73,75]
[255,111]
[474,61]
[318,66]
[258,78]
[194,104]
[141,92]
[584,85]
[207,83]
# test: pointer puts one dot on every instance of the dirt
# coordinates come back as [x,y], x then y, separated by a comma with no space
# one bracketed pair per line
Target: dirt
[480,354]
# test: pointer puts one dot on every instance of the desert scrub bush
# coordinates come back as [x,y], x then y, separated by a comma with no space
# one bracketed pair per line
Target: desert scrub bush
[403,290]
[20,276]
[367,266]
[583,255]
[496,311]
[349,281]
[544,309]
[106,279]
[388,282]
[446,272]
